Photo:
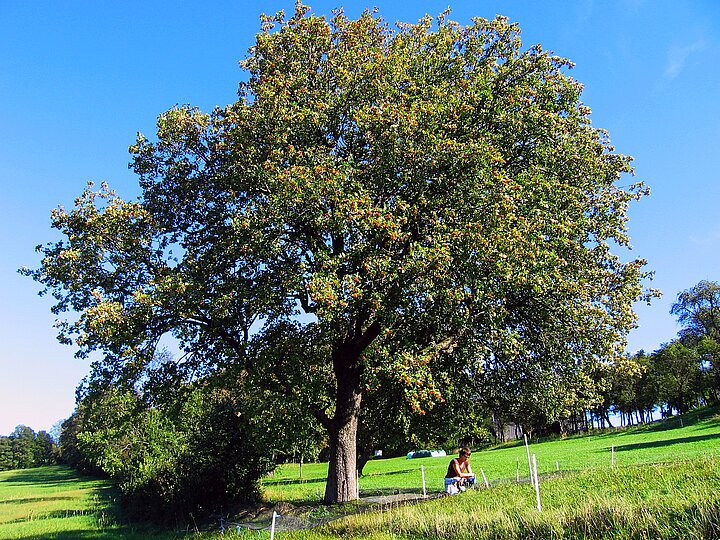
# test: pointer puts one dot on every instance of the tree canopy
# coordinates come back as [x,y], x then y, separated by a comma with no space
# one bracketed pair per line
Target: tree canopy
[24,449]
[380,204]
[698,310]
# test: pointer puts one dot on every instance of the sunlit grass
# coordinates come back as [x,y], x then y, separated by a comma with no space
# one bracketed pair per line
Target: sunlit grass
[663,501]
[54,502]
[697,437]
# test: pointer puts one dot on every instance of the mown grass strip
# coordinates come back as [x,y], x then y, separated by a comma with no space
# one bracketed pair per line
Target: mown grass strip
[56,503]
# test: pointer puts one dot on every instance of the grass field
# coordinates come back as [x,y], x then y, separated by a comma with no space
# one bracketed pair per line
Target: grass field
[669,501]
[665,484]
[55,503]
[668,441]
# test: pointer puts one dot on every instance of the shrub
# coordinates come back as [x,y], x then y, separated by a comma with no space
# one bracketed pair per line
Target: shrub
[183,461]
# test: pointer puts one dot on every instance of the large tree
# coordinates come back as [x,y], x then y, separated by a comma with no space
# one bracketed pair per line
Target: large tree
[678,375]
[380,203]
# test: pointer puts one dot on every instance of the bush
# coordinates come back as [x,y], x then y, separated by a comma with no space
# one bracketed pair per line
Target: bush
[181,462]
[219,468]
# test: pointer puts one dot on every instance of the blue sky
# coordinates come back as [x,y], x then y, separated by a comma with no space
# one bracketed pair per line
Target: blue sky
[79,79]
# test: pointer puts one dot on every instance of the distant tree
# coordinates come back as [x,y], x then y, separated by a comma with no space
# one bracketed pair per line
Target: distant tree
[6,454]
[698,310]
[645,391]
[23,447]
[44,450]
[678,375]
[622,392]
[602,376]
[708,350]
[385,195]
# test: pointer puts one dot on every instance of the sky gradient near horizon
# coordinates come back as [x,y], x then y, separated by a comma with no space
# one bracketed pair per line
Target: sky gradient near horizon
[78,79]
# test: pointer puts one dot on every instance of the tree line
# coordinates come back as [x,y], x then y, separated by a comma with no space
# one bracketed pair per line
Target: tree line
[681,375]
[25,449]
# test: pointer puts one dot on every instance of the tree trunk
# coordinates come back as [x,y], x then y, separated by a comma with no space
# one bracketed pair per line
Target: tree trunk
[341,483]
[342,428]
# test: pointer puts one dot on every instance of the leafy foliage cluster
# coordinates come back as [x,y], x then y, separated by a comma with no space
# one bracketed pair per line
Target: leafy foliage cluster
[25,449]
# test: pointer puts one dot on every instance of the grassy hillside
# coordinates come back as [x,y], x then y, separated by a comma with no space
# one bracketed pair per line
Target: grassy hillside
[665,484]
[668,501]
[668,441]
[56,503]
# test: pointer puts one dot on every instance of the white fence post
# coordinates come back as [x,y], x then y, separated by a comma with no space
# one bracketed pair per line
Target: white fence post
[487,485]
[272,526]
[530,468]
[537,484]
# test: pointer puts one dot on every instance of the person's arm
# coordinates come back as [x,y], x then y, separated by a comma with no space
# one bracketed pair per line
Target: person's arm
[456,468]
[469,470]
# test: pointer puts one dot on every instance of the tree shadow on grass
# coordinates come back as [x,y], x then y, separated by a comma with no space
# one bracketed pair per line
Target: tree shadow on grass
[666,442]
[86,534]
[47,476]
[101,508]
[53,514]
[390,492]
[288,482]
[390,473]
[110,534]
[39,498]
[104,510]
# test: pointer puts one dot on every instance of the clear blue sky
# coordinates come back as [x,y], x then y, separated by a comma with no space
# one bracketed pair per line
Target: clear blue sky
[79,79]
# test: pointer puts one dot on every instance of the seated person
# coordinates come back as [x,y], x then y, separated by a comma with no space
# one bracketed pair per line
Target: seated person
[459,474]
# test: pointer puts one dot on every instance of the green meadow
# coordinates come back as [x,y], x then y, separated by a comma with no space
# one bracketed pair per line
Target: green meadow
[696,435]
[664,483]
[56,503]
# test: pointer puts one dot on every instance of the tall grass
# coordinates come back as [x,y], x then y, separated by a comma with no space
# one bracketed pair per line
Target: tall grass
[664,501]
